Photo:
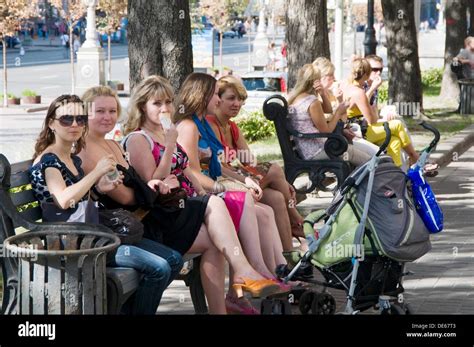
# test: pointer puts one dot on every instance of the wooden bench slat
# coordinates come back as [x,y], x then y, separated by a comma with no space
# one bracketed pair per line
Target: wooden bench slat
[22,198]
[32,214]
[20,179]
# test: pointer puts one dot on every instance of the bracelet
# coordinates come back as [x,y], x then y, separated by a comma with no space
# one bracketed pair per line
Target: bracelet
[97,191]
[218,188]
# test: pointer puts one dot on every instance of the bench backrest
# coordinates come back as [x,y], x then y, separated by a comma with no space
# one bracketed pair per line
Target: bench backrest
[275,108]
[21,192]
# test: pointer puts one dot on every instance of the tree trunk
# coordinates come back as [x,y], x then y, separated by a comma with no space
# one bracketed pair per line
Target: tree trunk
[471,21]
[5,90]
[109,53]
[402,52]
[221,68]
[159,34]
[71,58]
[306,34]
[456,27]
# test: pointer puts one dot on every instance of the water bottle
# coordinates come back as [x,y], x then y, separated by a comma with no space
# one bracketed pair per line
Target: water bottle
[113,175]
[425,201]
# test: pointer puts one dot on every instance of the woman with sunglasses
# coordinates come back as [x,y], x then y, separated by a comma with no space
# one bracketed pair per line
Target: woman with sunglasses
[360,110]
[60,184]
[203,225]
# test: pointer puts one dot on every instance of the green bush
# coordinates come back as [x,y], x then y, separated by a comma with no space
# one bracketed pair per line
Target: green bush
[28,92]
[431,77]
[383,93]
[10,96]
[255,126]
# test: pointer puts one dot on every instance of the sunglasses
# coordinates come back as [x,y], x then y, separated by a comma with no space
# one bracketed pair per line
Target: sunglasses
[67,120]
[377,69]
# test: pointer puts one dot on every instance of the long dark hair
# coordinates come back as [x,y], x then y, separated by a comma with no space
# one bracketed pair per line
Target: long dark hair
[46,136]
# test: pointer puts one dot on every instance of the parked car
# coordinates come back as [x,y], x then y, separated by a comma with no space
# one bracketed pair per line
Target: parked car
[262,84]
[230,34]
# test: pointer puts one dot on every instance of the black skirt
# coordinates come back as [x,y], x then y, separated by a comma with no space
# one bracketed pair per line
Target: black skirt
[176,228]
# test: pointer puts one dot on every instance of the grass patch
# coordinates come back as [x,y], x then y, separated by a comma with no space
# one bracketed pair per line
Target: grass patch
[446,123]
[432,90]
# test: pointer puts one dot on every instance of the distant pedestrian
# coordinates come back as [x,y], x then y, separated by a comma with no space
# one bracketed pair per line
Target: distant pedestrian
[65,43]
[76,44]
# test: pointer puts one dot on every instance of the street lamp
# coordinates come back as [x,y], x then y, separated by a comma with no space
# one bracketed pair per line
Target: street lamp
[370,43]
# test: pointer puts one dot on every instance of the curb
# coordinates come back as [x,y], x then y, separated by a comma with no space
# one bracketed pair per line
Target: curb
[453,147]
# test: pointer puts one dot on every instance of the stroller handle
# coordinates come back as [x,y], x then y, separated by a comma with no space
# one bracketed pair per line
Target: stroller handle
[388,135]
[434,131]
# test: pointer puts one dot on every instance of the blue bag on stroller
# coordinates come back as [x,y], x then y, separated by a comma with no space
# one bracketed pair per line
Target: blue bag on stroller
[425,201]
[423,196]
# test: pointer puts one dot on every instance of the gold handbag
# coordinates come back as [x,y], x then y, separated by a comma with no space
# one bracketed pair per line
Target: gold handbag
[231,184]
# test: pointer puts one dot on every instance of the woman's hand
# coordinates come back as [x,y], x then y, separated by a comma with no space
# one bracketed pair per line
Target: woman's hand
[292,193]
[255,189]
[159,186]
[104,185]
[171,135]
[318,87]
[105,165]
[172,181]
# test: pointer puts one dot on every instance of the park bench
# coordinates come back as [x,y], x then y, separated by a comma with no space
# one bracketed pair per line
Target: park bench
[275,108]
[121,282]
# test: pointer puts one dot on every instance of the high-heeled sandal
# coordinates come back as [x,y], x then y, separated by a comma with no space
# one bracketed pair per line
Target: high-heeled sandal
[257,288]
[242,305]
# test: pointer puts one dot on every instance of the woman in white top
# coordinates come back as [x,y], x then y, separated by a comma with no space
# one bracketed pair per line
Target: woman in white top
[307,116]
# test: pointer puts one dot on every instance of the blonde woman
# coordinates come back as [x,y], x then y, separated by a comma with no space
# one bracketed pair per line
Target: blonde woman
[201,226]
[360,109]
[331,97]
[307,116]
[277,192]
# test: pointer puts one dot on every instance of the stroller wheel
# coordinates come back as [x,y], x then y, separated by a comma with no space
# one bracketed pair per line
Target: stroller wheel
[306,300]
[323,304]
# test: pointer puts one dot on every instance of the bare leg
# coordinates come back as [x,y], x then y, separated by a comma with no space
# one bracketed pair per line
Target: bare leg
[271,245]
[212,271]
[276,201]
[276,179]
[250,238]
[222,233]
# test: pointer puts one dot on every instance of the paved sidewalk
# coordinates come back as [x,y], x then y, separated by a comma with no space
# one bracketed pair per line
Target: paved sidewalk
[443,280]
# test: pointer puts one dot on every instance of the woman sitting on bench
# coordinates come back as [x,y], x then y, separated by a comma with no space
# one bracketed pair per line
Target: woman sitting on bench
[60,185]
[203,225]
[306,116]
[277,192]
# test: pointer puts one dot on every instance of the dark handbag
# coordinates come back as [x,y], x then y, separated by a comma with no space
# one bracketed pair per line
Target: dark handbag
[85,211]
[123,223]
[175,198]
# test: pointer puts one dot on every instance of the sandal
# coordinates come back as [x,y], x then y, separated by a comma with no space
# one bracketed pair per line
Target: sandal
[240,305]
[257,288]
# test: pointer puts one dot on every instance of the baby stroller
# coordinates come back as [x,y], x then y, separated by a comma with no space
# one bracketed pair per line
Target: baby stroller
[371,229]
